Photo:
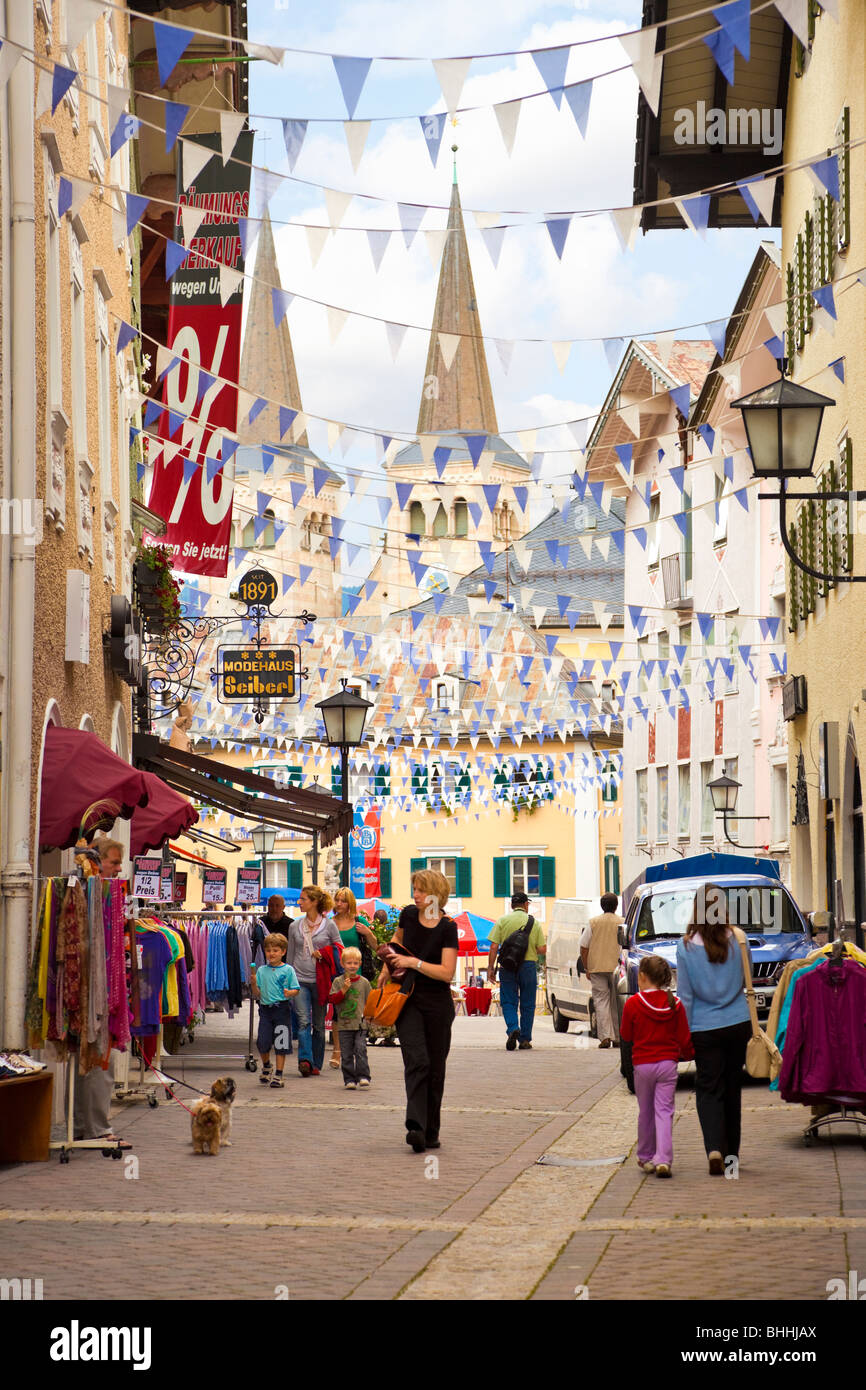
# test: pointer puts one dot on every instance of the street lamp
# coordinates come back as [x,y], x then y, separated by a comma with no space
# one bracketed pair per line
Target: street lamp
[783,422]
[724,792]
[264,838]
[344,715]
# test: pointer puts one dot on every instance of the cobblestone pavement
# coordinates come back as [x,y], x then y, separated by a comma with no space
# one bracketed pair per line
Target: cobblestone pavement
[319,1197]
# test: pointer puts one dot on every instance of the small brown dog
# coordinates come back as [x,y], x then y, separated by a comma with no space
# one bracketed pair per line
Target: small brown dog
[206,1126]
[222,1092]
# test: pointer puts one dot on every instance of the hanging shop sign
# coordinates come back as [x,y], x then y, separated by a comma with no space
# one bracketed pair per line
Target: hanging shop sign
[257,589]
[248,889]
[179,886]
[365,850]
[146,879]
[248,674]
[195,498]
[214,889]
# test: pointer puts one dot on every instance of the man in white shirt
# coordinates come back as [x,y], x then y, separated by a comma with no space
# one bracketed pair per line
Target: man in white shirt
[600,952]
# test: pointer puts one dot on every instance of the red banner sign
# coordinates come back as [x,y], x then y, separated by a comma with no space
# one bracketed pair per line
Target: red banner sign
[190,488]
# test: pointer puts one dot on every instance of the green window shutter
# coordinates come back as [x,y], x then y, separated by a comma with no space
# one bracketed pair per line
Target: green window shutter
[843,207]
[801,291]
[419,781]
[385,878]
[501,878]
[847,484]
[464,785]
[500,786]
[382,781]
[337,782]
[611,873]
[252,864]
[416,864]
[547,875]
[794,575]
[295,873]
[790,310]
[296,776]
[464,878]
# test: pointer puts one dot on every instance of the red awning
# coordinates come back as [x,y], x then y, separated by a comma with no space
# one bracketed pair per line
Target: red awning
[166,815]
[78,770]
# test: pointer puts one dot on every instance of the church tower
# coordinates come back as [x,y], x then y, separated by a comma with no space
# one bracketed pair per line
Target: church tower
[447,512]
[289,536]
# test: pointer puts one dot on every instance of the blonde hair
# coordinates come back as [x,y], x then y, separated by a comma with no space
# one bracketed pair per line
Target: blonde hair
[322,899]
[351,900]
[103,846]
[431,881]
[353,952]
[276,938]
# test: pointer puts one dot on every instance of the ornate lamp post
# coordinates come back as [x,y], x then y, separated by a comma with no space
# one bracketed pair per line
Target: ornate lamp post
[264,838]
[783,422]
[724,791]
[344,715]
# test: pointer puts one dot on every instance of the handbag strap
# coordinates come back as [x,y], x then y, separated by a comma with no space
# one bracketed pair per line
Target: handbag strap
[747,976]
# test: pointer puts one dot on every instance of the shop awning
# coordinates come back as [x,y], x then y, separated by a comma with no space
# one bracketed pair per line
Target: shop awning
[166,815]
[78,770]
[243,793]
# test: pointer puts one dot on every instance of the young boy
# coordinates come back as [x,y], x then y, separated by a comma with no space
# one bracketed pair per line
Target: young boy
[348,996]
[274,985]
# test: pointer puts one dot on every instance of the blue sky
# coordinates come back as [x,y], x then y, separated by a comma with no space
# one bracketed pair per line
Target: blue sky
[669,279]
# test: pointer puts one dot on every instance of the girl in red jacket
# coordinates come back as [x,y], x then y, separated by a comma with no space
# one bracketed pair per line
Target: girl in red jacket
[654,1022]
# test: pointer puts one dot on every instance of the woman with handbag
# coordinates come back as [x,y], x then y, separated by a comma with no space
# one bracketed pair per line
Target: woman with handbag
[354,934]
[423,956]
[711,987]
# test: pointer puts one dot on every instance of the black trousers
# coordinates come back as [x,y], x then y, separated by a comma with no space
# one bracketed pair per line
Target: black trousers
[719,1057]
[424,1030]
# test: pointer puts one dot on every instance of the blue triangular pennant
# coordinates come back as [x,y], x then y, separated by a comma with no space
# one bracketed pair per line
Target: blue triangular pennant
[175,255]
[60,84]
[579,96]
[175,115]
[431,128]
[351,74]
[171,44]
[552,64]
[294,134]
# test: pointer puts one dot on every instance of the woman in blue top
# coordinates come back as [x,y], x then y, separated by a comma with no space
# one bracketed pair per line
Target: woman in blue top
[711,986]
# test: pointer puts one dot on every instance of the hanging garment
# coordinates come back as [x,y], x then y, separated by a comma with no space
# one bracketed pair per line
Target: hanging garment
[825,1050]
[785,1013]
[113,901]
[36,1011]
[153,955]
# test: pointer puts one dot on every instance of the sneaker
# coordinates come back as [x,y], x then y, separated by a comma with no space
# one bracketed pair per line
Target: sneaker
[717,1164]
[663,1170]
[305,1068]
[648,1166]
[363,1083]
[524,1046]
[351,1086]
[511,1044]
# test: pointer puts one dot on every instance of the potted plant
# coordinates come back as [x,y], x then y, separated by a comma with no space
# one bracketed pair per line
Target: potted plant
[157,590]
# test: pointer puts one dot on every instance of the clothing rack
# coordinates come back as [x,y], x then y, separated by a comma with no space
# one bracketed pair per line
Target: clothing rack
[249,1058]
[846,1111]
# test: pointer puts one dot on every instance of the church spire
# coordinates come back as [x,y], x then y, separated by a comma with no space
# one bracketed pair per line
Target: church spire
[459,398]
[267,360]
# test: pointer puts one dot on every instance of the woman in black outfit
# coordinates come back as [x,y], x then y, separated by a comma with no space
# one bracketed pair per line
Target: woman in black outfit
[425,943]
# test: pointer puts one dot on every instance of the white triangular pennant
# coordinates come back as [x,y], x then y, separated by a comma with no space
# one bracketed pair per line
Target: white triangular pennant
[640,51]
[764,193]
[448,345]
[316,238]
[451,73]
[561,353]
[337,203]
[231,125]
[378,241]
[81,15]
[796,15]
[664,343]
[505,348]
[191,219]
[625,223]
[435,246]
[356,139]
[195,157]
[396,332]
[507,114]
[230,282]
[630,416]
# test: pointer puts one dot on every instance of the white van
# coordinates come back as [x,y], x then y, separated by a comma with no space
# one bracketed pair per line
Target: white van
[569,994]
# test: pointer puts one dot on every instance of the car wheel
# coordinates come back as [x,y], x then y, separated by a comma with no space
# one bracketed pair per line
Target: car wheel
[560,1023]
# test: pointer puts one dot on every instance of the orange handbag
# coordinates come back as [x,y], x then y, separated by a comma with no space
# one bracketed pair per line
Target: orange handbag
[385,1003]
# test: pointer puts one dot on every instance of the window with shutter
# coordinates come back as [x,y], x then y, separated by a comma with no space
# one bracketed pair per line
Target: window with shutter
[794,576]
[419,780]
[846,469]
[382,781]
[547,873]
[295,876]
[416,864]
[385,878]
[609,787]
[501,878]
[501,786]
[464,878]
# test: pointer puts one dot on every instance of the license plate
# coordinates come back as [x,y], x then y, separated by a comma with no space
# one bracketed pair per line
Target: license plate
[760,1001]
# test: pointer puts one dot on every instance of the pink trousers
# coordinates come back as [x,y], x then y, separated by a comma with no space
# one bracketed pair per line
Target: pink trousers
[655,1085]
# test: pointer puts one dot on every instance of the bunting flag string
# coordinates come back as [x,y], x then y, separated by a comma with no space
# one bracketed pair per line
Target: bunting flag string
[822,168]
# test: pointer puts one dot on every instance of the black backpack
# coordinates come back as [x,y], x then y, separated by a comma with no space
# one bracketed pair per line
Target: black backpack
[512,952]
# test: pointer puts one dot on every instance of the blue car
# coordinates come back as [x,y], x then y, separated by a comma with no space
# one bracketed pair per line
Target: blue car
[659,914]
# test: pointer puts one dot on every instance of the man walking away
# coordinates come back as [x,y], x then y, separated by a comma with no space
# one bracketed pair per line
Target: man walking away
[519,941]
[599,952]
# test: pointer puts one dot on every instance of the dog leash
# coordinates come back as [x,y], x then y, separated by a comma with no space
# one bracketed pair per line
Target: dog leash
[176,1082]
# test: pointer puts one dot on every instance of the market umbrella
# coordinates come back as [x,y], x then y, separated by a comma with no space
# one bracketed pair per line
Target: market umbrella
[78,770]
[372,905]
[473,933]
[166,815]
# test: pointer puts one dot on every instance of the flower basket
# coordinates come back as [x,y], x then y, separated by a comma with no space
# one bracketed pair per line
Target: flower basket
[157,592]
